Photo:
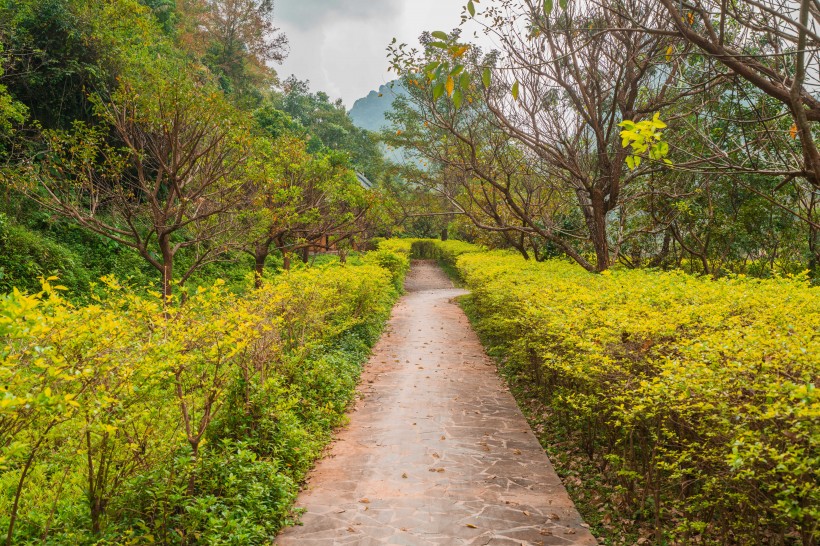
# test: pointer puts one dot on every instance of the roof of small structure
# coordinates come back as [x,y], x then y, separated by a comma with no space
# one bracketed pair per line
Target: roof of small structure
[364,181]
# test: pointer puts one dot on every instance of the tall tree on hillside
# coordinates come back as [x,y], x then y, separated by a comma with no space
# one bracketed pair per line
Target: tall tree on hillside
[236,39]
[327,125]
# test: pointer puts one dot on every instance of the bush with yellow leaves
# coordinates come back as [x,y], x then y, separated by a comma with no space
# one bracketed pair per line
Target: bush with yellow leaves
[131,421]
[698,398]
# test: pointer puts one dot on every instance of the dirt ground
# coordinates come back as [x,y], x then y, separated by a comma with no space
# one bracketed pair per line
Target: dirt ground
[436,452]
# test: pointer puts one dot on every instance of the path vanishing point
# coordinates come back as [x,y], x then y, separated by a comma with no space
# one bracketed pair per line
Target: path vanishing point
[437,451]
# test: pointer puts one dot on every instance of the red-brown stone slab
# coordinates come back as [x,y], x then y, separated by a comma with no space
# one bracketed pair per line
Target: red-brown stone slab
[436,452]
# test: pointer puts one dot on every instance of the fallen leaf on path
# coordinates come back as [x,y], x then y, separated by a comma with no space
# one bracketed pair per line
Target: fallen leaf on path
[471,526]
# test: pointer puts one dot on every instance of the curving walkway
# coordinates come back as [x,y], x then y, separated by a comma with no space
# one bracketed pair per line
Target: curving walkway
[437,452]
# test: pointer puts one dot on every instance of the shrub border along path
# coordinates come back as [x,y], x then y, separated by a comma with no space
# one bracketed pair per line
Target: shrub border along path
[685,410]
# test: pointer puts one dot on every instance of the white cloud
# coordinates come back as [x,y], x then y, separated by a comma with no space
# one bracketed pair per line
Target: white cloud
[309,13]
[340,45]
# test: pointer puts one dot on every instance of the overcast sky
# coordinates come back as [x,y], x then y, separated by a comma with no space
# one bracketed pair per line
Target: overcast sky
[340,45]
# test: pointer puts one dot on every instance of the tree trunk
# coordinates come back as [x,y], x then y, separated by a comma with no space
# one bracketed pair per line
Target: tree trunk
[596,222]
[305,254]
[167,267]
[195,457]
[260,256]
[285,261]
[658,260]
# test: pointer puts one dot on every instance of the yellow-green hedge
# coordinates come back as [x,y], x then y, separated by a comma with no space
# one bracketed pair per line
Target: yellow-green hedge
[135,422]
[700,397]
[431,249]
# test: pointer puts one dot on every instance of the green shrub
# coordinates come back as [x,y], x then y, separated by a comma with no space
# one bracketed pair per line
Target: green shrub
[425,249]
[237,498]
[26,255]
[396,263]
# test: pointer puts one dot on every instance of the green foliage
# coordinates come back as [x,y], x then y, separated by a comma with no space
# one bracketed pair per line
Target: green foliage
[11,111]
[26,255]
[645,140]
[329,126]
[52,64]
[446,72]
[240,499]
[397,264]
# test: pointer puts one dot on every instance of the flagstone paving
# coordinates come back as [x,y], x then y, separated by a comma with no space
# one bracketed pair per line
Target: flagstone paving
[436,452]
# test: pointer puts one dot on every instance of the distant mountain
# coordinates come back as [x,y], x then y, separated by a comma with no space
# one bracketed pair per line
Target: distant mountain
[369,112]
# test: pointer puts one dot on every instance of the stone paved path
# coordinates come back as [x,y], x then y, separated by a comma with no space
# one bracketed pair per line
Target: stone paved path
[437,452]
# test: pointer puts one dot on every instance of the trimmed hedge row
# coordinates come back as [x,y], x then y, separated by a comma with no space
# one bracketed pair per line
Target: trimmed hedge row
[698,399]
